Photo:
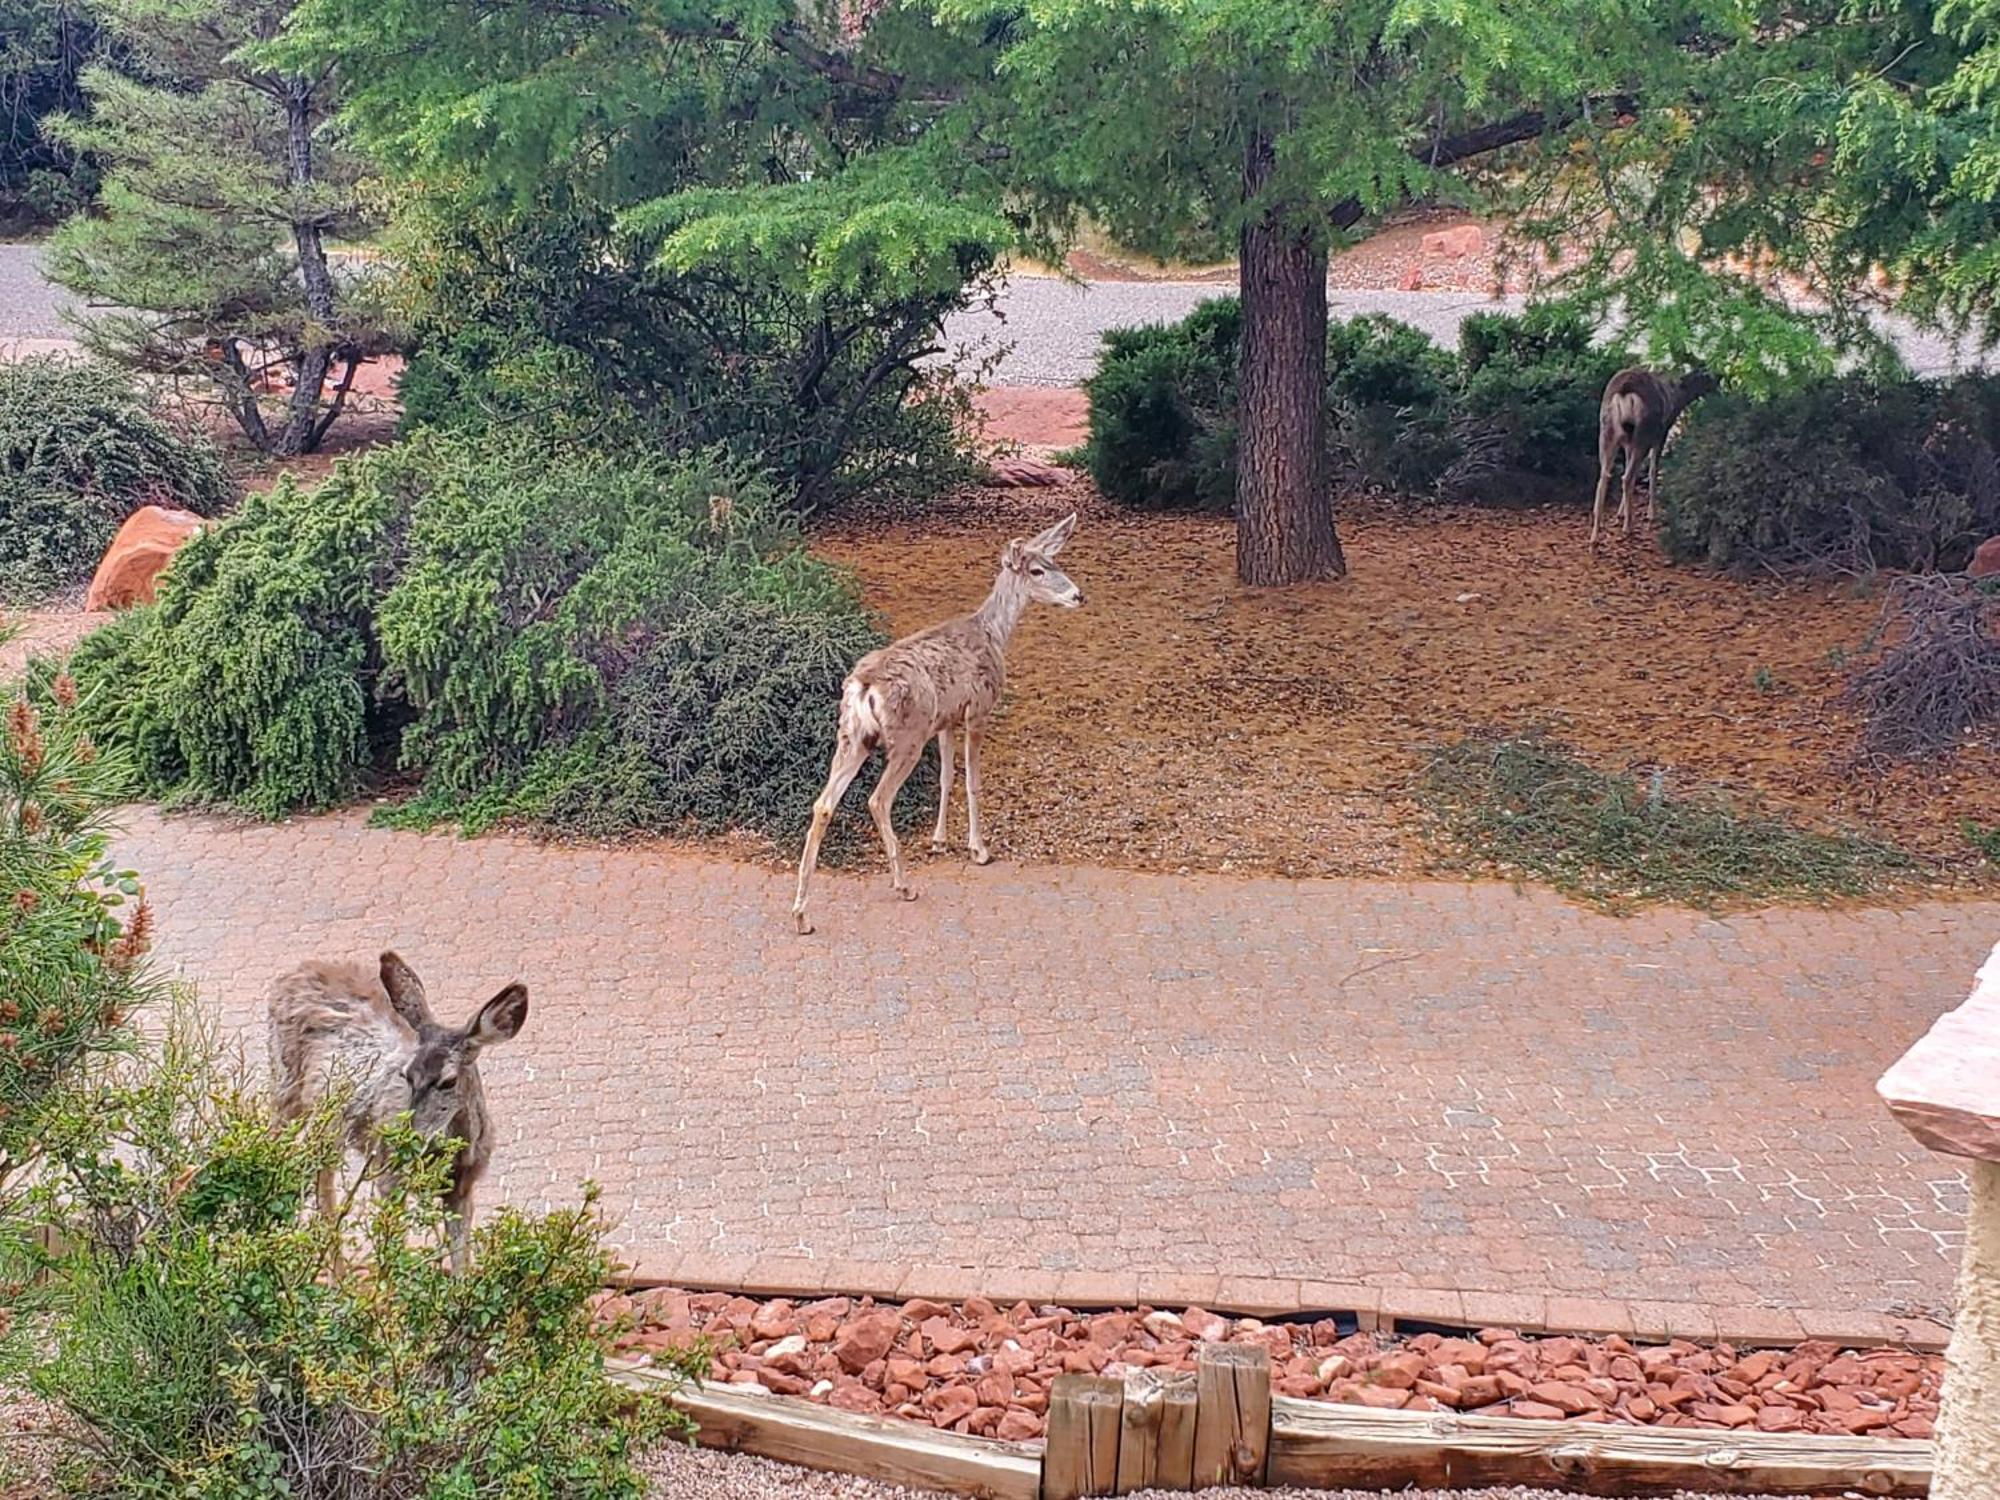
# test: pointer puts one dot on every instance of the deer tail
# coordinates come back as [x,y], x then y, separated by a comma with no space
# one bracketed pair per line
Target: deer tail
[1625,409]
[860,713]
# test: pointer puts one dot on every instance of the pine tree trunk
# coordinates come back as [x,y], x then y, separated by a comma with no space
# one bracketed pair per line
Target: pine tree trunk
[303,429]
[1284,513]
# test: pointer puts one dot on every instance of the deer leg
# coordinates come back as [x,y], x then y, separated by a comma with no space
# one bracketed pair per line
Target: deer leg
[1630,488]
[329,1212]
[882,803]
[1607,455]
[939,840]
[458,1225]
[977,840]
[1653,488]
[849,755]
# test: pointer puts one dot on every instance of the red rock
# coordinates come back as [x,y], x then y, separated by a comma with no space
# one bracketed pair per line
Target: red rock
[1017,471]
[919,1309]
[137,556]
[1454,243]
[1443,1394]
[1536,1409]
[1641,1409]
[946,1338]
[782,1383]
[774,1320]
[1492,1336]
[1109,1330]
[1400,1371]
[1780,1419]
[1914,1427]
[1018,1426]
[906,1372]
[1865,1419]
[945,1366]
[1413,279]
[1752,1369]
[1205,1325]
[863,1340]
[1480,1390]
[1985,560]
[1717,1415]
[855,1398]
[994,1390]
[1572,1400]
[1382,1397]
[950,1404]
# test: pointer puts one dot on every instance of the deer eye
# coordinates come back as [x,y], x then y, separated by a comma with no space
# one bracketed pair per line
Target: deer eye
[1036,572]
[447,1082]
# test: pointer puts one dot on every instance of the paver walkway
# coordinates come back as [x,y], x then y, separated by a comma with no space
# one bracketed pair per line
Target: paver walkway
[1065,1077]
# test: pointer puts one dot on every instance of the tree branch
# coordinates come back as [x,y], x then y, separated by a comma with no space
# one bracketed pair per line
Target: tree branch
[1446,151]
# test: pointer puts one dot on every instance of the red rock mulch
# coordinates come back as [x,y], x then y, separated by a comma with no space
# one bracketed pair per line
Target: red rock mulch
[986,1370]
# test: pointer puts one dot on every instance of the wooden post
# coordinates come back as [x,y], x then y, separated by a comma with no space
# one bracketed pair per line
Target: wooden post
[1232,1424]
[1156,1432]
[1082,1455]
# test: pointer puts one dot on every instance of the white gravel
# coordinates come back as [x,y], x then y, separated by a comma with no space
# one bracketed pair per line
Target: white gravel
[700,1474]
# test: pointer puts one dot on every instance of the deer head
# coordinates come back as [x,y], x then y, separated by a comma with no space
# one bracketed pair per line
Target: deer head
[1032,561]
[445,1055]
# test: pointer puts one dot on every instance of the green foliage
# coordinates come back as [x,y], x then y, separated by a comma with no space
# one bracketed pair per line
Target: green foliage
[1163,411]
[1847,475]
[1526,807]
[73,925]
[1402,414]
[202,1340]
[224,181]
[1535,381]
[1985,842]
[79,451]
[598,643]
[250,682]
[44,47]
[589,335]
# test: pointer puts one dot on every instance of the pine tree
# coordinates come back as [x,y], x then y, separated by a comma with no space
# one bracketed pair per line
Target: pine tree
[225,181]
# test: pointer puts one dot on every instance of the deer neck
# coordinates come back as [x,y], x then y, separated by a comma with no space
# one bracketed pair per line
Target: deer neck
[1003,609]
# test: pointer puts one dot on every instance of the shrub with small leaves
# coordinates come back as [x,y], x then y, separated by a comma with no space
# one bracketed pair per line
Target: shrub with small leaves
[73,925]
[1844,476]
[598,642]
[79,452]
[195,1328]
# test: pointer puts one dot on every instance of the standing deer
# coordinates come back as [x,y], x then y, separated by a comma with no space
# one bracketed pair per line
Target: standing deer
[1638,411]
[345,1025]
[930,685]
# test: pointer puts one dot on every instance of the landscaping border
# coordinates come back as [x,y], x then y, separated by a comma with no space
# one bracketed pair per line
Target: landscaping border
[1113,1437]
[1384,1309]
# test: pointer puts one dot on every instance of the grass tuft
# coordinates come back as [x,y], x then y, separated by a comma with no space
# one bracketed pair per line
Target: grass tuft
[1525,806]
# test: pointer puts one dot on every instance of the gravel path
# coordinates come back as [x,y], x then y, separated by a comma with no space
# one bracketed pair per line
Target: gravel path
[698,1474]
[1044,331]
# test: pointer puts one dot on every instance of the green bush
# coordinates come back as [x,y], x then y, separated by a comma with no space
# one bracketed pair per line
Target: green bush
[1402,414]
[1536,381]
[1847,476]
[1163,411]
[73,926]
[79,452]
[596,643]
[200,1337]
[582,336]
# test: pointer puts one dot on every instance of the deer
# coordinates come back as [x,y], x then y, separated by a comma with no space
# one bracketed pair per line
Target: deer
[370,1031]
[1639,409]
[942,684]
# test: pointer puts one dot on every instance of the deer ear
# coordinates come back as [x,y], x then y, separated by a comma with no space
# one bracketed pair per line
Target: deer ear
[501,1018]
[1052,541]
[1014,556]
[405,990]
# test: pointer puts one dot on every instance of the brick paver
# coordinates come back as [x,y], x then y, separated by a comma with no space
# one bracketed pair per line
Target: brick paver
[1069,1081]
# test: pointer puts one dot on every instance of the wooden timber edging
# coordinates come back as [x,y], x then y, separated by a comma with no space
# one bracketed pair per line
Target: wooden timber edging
[1223,1427]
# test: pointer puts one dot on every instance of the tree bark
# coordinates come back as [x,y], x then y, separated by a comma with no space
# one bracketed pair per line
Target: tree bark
[303,428]
[1284,513]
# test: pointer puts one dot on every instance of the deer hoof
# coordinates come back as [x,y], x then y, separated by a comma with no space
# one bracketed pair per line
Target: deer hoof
[982,856]
[939,846]
[906,893]
[802,923]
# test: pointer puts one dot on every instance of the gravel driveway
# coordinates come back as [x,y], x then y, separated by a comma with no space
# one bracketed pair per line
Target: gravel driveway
[1044,332]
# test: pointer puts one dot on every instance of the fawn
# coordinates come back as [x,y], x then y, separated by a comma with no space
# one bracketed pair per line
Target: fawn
[1638,411]
[930,685]
[347,1025]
